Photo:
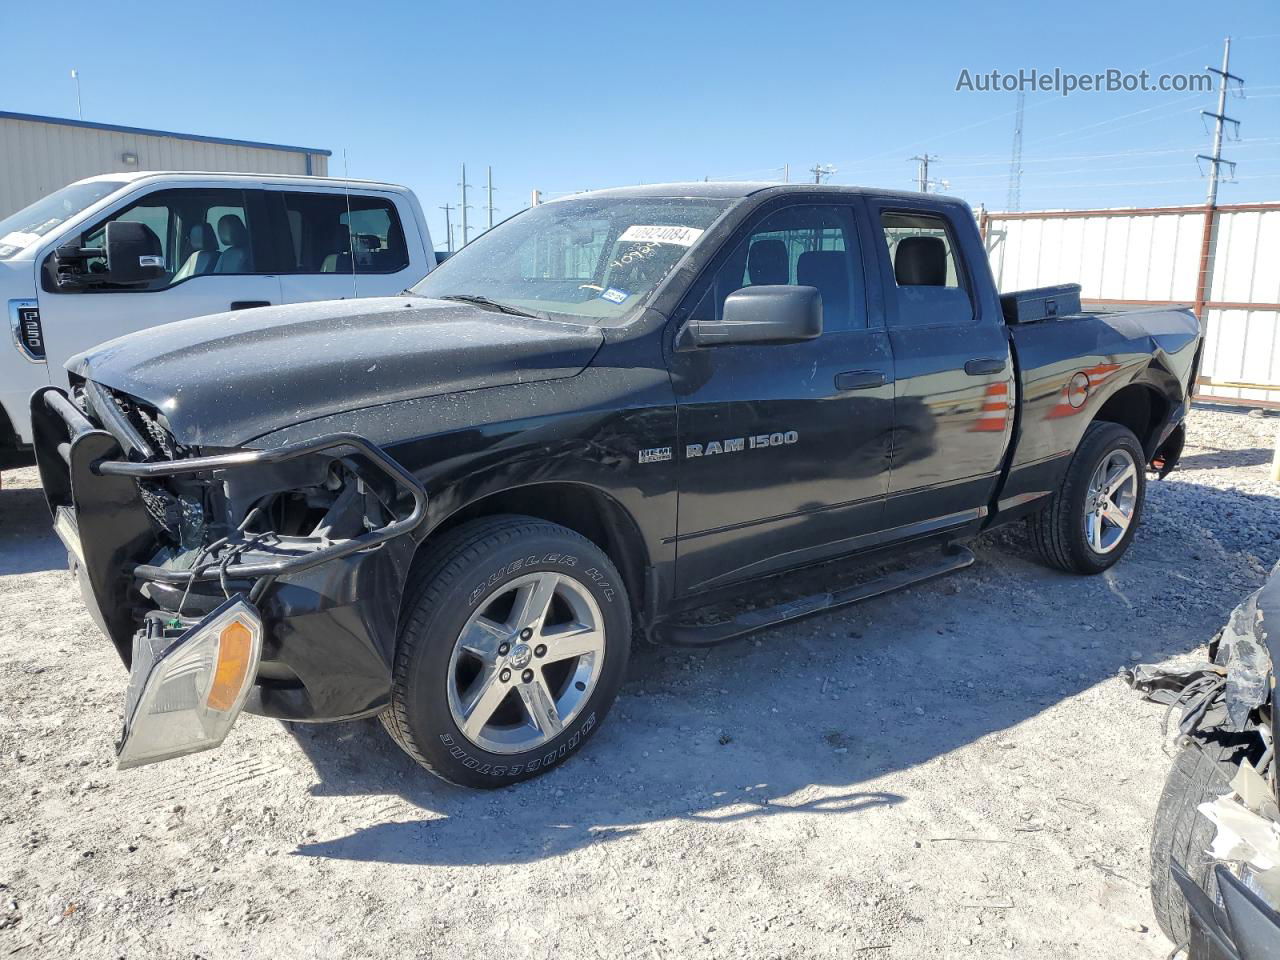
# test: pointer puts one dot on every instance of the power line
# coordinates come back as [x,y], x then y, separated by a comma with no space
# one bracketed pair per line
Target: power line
[990,161]
[821,171]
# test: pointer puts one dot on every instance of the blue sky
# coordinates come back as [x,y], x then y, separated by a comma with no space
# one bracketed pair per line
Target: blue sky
[564,97]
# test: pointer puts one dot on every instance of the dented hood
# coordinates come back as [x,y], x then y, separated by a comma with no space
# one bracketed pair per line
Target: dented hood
[225,379]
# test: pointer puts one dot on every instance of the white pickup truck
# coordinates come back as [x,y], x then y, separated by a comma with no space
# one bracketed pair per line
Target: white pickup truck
[118,253]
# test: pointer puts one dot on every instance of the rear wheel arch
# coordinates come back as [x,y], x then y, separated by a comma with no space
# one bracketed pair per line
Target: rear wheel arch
[584,509]
[1139,407]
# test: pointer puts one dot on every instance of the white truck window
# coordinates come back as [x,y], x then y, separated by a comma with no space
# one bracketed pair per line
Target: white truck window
[200,232]
[337,233]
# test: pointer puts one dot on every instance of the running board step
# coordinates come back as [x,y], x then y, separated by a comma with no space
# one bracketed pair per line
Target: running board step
[689,635]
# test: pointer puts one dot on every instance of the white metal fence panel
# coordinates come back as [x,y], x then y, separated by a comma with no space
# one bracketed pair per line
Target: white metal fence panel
[1153,257]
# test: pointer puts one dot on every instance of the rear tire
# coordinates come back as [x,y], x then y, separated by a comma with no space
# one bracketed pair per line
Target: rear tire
[1201,772]
[1060,532]
[486,691]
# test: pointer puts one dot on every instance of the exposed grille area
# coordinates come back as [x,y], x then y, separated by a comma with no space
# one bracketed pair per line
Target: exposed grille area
[146,420]
[147,440]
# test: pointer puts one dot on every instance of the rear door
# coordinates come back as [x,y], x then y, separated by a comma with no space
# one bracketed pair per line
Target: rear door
[783,448]
[954,389]
[342,245]
[216,249]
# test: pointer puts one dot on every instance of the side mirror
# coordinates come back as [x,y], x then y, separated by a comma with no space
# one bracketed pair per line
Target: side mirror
[133,253]
[764,314]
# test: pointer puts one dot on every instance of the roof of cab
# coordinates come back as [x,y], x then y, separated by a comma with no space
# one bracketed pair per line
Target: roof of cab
[291,179]
[736,190]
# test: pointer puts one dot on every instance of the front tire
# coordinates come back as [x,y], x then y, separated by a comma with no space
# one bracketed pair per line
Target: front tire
[1089,522]
[512,649]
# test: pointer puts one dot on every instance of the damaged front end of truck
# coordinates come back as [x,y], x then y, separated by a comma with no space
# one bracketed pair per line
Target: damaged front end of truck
[227,579]
[1228,888]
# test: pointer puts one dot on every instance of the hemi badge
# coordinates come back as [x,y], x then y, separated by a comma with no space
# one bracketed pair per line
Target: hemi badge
[655,454]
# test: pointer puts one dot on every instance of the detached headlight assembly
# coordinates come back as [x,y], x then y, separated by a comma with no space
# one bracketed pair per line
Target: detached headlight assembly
[186,690]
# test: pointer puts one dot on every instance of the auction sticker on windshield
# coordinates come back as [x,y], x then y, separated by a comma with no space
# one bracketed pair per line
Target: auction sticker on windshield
[680,236]
[614,295]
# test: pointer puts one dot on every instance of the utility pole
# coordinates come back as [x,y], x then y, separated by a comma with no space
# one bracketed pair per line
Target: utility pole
[75,75]
[464,208]
[1015,163]
[1220,119]
[922,172]
[821,170]
[448,227]
[786,173]
[535,198]
[489,188]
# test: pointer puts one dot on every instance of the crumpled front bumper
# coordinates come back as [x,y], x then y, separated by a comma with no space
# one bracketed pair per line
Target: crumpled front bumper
[328,608]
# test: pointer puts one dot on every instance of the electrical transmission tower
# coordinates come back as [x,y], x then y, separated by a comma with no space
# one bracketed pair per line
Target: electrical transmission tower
[922,172]
[820,172]
[1220,119]
[1014,201]
[464,207]
[489,191]
[448,227]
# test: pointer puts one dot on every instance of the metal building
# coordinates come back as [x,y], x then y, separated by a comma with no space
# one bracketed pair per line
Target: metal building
[40,154]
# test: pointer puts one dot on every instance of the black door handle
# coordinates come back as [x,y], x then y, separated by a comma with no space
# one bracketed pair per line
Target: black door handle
[249,304]
[984,366]
[860,379]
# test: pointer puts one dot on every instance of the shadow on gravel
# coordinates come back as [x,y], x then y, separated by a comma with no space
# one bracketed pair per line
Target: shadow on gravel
[805,718]
[27,541]
[1222,459]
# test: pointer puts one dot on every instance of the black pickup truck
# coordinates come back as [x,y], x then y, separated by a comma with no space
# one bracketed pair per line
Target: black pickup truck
[456,507]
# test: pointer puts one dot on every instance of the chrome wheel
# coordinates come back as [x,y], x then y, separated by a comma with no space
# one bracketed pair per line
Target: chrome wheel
[1110,501]
[526,662]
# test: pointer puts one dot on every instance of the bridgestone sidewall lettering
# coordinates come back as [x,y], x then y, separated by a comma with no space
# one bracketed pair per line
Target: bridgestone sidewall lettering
[473,562]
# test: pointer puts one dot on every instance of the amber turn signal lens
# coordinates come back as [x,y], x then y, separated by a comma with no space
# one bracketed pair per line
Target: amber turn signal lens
[235,647]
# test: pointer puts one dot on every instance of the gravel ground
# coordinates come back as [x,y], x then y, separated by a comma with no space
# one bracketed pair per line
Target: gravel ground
[952,771]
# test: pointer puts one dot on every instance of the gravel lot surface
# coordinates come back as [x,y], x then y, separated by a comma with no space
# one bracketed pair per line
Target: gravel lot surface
[952,771]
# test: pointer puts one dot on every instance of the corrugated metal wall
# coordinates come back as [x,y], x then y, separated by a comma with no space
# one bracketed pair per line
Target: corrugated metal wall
[37,158]
[1153,256]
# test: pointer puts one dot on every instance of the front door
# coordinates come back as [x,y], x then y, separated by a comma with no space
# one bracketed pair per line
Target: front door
[783,448]
[216,251]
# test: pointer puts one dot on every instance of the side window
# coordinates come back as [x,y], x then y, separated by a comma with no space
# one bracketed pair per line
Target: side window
[928,278]
[334,233]
[807,245]
[197,232]
[227,225]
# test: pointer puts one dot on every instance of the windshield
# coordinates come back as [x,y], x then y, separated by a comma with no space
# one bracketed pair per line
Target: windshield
[592,259]
[19,230]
